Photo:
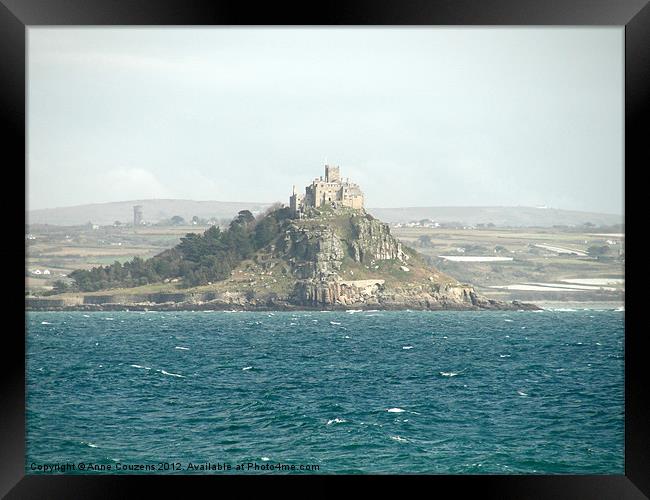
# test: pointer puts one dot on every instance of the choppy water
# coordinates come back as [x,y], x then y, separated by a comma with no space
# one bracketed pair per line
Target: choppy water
[371,392]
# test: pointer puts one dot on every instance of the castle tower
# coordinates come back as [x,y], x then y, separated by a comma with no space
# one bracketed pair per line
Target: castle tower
[332,174]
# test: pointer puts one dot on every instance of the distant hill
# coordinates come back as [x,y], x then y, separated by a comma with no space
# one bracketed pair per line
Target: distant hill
[152,211]
[500,216]
[157,210]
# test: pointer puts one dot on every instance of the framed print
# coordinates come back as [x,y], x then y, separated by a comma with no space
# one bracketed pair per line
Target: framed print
[382,241]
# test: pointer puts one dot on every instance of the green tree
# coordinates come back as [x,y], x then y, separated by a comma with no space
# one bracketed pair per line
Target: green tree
[198,258]
[239,241]
[60,286]
[598,250]
[265,231]
[244,218]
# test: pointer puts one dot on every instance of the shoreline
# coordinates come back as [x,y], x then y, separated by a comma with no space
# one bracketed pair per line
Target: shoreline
[507,306]
[542,305]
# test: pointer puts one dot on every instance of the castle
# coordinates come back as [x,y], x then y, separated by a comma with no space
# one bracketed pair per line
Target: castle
[330,190]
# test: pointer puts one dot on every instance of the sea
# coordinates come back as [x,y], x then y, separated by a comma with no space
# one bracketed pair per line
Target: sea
[350,392]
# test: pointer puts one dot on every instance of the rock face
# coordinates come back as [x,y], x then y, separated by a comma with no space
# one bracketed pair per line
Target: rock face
[333,259]
[373,294]
[372,241]
[313,252]
[338,292]
[318,248]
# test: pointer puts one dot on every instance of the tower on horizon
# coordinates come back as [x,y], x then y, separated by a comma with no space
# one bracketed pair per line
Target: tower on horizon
[137,215]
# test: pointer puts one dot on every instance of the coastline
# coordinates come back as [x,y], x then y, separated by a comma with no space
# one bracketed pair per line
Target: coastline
[42,305]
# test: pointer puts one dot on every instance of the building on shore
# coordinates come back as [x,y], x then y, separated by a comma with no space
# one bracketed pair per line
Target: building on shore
[330,190]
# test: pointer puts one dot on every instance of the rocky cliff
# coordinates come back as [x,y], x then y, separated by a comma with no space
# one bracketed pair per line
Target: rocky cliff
[328,247]
[317,246]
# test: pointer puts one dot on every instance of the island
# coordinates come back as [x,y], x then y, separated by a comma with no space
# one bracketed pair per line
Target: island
[323,251]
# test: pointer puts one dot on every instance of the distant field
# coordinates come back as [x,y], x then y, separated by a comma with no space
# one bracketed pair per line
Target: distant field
[62,249]
[538,267]
[79,251]
[474,258]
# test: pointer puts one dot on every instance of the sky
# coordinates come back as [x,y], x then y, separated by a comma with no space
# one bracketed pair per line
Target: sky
[417,116]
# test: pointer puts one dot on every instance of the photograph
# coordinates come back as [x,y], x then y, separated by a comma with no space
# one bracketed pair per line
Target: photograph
[325,250]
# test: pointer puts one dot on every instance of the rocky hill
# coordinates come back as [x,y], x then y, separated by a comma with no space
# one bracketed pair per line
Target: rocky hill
[329,259]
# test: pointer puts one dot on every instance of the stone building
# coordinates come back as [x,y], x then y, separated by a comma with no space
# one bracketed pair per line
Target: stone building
[137,215]
[331,190]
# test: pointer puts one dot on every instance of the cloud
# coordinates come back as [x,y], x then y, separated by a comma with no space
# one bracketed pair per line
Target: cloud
[129,184]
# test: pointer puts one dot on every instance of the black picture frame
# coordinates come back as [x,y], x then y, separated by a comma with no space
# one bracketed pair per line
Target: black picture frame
[17,15]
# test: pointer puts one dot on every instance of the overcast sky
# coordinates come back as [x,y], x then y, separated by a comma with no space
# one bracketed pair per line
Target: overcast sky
[416,116]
